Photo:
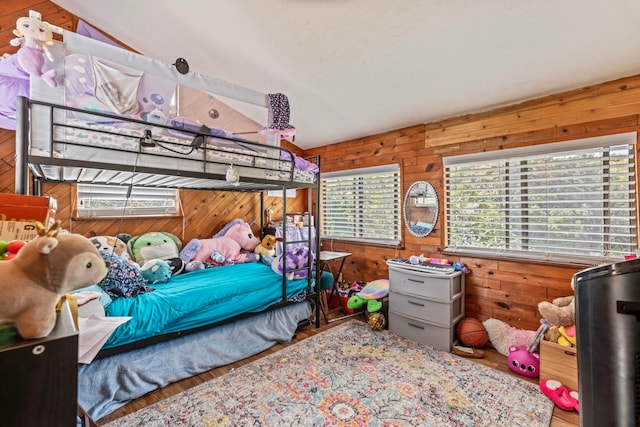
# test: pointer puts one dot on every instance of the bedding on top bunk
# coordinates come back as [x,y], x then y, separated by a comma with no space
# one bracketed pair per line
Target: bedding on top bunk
[145,127]
[197,299]
[128,143]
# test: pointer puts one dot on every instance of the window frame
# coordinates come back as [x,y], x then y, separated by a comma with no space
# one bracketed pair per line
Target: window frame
[129,196]
[390,174]
[557,150]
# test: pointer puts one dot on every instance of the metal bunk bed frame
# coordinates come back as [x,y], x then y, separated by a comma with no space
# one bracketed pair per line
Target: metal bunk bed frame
[47,168]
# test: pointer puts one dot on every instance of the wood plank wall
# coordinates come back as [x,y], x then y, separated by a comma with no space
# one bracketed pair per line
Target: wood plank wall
[507,290]
[204,212]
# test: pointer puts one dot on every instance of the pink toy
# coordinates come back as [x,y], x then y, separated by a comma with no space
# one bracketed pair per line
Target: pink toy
[524,362]
[459,266]
[503,335]
[34,36]
[236,238]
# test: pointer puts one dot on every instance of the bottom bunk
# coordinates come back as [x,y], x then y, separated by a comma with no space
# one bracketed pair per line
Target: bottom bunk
[109,383]
[199,298]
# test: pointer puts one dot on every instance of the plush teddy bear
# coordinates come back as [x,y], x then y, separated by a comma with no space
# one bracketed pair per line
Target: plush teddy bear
[267,247]
[560,312]
[236,238]
[45,269]
[34,37]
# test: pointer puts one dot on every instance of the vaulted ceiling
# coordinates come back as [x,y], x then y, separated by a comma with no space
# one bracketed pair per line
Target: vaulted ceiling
[353,68]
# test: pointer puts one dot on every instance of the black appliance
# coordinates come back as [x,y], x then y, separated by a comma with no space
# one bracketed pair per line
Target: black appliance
[608,344]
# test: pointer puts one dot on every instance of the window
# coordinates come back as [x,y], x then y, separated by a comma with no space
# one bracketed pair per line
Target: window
[362,205]
[571,201]
[110,200]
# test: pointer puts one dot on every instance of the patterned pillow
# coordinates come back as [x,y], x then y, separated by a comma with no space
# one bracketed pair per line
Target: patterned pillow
[123,279]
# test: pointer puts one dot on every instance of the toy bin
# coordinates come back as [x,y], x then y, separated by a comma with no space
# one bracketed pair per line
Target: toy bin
[17,213]
[560,363]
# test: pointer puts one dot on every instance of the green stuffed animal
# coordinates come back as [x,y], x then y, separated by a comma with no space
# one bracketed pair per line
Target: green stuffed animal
[154,245]
[371,295]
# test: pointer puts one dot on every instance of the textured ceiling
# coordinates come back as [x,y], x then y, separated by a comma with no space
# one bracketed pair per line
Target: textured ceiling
[353,68]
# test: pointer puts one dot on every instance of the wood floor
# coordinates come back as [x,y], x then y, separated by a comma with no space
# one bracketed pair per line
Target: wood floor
[492,358]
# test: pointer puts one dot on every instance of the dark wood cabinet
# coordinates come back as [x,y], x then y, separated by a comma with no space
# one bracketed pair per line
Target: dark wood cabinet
[40,377]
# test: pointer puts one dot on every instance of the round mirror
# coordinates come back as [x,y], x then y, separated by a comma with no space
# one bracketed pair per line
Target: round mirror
[421,208]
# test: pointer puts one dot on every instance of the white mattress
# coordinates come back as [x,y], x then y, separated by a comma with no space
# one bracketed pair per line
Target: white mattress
[116,142]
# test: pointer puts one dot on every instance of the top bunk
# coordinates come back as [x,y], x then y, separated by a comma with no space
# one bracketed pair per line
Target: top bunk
[63,144]
[105,115]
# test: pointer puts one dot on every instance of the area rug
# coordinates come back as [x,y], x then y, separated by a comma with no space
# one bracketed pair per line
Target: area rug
[351,375]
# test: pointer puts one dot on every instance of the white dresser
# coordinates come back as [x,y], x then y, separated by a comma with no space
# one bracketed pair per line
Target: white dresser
[425,307]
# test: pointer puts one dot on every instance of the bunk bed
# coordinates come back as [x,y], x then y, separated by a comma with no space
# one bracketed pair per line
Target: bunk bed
[59,142]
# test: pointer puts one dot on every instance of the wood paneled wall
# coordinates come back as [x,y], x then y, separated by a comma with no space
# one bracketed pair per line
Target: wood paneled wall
[508,290]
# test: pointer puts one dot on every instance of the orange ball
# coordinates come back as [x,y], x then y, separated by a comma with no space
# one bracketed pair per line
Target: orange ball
[472,333]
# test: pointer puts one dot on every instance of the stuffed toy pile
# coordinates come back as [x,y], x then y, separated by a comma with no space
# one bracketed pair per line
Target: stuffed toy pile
[44,270]
[561,314]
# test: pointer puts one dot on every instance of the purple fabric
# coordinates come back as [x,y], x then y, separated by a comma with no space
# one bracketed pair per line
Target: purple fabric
[299,162]
[78,76]
[305,165]
[14,81]
[87,30]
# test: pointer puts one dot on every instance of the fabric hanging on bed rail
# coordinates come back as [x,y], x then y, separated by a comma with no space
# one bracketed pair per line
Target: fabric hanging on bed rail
[279,113]
[80,44]
[116,87]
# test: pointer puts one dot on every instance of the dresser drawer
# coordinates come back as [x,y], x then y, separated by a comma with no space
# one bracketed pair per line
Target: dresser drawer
[443,313]
[436,336]
[441,287]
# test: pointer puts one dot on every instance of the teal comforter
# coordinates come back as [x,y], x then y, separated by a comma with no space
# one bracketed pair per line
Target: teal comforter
[199,298]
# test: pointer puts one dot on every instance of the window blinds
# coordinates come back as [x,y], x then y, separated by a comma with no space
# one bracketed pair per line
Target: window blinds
[362,205]
[108,200]
[565,201]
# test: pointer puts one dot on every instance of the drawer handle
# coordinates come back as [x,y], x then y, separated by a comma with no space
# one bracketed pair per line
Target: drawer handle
[415,303]
[415,326]
[415,280]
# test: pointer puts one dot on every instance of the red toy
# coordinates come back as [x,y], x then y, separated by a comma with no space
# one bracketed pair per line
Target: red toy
[472,333]
[10,249]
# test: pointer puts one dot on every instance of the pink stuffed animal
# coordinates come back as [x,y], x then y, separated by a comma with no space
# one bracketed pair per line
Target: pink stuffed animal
[34,36]
[523,362]
[238,237]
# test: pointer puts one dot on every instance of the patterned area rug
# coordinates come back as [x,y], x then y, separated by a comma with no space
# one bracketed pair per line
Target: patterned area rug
[353,376]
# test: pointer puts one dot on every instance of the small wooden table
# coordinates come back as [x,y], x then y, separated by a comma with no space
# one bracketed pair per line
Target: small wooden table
[325,257]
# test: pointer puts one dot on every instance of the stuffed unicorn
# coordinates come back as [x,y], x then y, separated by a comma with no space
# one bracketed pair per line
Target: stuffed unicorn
[230,245]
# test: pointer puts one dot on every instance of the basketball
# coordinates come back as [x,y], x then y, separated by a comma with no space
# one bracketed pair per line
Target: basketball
[472,333]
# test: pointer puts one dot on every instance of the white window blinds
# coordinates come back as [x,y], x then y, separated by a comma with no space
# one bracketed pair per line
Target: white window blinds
[573,201]
[362,205]
[108,200]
